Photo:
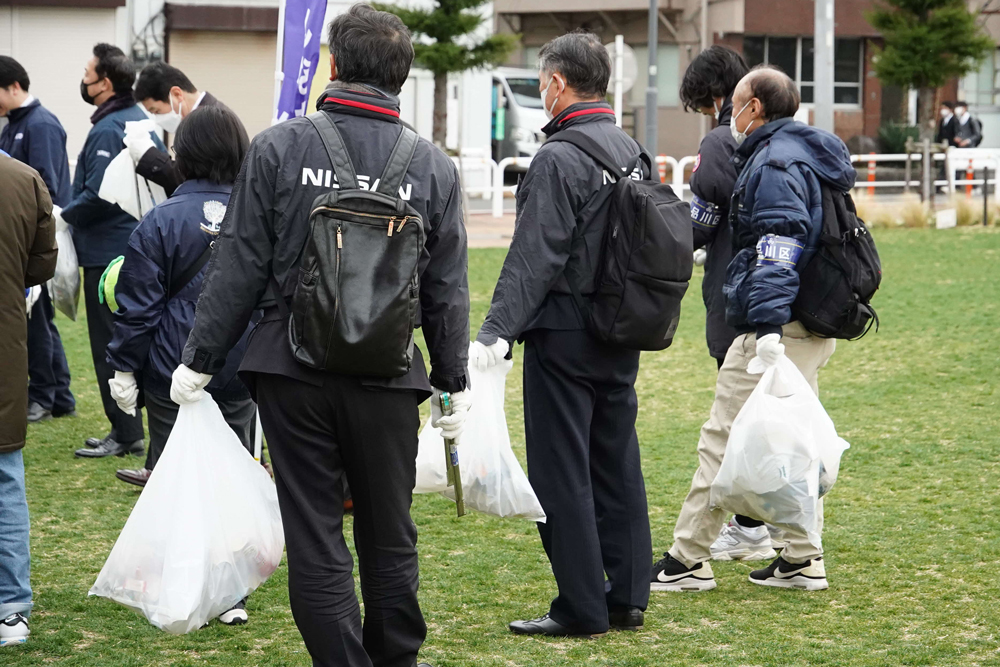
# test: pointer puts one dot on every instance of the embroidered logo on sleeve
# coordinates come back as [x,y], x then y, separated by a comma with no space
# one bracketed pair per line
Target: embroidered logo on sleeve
[778,250]
[697,163]
[103,153]
[214,212]
[704,213]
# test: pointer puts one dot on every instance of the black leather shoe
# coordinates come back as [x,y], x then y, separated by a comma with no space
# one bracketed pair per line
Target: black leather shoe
[36,413]
[97,442]
[625,618]
[112,448]
[549,628]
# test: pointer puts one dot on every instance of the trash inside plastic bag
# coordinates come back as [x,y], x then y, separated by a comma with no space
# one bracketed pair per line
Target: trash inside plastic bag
[121,185]
[492,479]
[205,532]
[783,453]
[64,288]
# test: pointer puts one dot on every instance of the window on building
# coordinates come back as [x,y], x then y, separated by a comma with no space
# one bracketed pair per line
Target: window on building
[980,88]
[667,75]
[531,56]
[795,57]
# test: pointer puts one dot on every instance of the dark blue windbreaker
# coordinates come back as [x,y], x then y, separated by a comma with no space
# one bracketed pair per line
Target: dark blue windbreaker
[35,136]
[100,229]
[776,217]
[150,332]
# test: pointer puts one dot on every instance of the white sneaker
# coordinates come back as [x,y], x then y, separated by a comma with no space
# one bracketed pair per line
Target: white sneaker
[235,616]
[14,630]
[737,542]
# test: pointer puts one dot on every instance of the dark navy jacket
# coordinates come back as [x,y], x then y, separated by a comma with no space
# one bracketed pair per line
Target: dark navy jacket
[712,183]
[777,216]
[150,332]
[35,136]
[563,209]
[100,229]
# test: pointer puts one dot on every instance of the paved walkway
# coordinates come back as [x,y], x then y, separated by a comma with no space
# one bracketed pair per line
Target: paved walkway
[485,231]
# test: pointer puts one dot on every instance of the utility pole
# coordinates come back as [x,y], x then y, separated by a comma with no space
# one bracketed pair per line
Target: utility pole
[652,94]
[823,66]
[703,34]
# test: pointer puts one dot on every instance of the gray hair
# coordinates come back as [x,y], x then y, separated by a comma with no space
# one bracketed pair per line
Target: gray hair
[581,59]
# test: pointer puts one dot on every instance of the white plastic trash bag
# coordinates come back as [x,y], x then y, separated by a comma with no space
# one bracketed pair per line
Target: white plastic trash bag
[783,453]
[492,479]
[204,533]
[64,288]
[121,185]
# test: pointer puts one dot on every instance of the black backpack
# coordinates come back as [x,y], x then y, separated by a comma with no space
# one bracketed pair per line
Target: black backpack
[646,258]
[356,299]
[838,283]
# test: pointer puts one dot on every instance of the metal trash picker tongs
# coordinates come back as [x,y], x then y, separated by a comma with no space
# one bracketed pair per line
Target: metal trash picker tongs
[451,458]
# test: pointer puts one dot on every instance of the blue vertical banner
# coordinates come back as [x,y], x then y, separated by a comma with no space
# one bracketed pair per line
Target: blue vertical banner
[301,30]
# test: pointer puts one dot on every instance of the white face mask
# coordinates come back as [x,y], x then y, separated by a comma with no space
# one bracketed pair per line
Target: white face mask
[945,113]
[739,137]
[545,93]
[168,121]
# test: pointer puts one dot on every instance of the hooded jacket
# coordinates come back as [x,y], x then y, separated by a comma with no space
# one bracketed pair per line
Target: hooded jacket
[35,136]
[712,183]
[100,228]
[563,207]
[777,216]
[150,331]
[267,224]
[27,258]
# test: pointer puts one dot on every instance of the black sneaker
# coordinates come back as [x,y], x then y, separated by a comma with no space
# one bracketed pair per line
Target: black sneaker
[669,574]
[808,576]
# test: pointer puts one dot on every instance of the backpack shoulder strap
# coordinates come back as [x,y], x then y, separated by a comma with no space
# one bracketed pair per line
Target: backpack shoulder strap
[182,280]
[399,163]
[342,166]
[587,144]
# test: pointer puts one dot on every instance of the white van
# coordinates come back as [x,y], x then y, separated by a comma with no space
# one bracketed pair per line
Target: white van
[518,116]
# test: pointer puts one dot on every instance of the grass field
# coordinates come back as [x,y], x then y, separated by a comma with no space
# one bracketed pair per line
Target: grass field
[912,538]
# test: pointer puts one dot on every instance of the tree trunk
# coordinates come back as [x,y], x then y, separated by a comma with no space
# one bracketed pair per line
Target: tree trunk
[440,133]
[926,113]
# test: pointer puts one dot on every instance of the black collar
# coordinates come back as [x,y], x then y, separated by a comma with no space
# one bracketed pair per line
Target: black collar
[726,112]
[15,115]
[359,101]
[116,103]
[581,112]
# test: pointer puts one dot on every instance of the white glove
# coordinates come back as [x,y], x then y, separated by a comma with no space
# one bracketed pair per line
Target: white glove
[187,386]
[483,357]
[125,391]
[700,255]
[770,349]
[57,214]
[138,143]
[453,425]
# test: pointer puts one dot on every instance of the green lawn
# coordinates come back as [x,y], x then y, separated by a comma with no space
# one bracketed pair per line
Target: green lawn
[913,537]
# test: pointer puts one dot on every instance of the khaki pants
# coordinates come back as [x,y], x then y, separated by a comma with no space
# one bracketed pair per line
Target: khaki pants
[698,525]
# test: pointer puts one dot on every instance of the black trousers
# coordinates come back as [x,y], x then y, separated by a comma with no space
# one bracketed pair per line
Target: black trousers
[161,413]
[583,462]
[47,367]
[100,326]
[317,436]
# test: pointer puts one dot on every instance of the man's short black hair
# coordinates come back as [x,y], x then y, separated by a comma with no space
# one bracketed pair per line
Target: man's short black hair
[950,105]
[962,103]
[776,92]
[156,80]
[371,47]
[713,73]
[581,58]
[11,72]
[210,145]
[115,66]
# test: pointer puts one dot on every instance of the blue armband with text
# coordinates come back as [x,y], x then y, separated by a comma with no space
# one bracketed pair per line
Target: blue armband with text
[704,213]
[778,250]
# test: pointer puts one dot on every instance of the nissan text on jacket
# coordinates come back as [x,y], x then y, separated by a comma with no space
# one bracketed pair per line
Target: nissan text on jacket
[777,217]
[563,205]
[712,183]
[35,136]
[28,258]
[150,330]
[266,227]
[100,228]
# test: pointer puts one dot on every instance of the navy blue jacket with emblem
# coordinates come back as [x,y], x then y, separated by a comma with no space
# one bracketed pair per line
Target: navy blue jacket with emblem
[777,216]
[101,229]
[35,136]
[150,332]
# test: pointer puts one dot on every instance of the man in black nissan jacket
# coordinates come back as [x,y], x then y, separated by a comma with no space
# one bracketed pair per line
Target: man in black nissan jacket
[322,426]
[579,395]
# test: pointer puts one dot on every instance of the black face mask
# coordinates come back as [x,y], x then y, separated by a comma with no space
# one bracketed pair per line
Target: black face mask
[87,97]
